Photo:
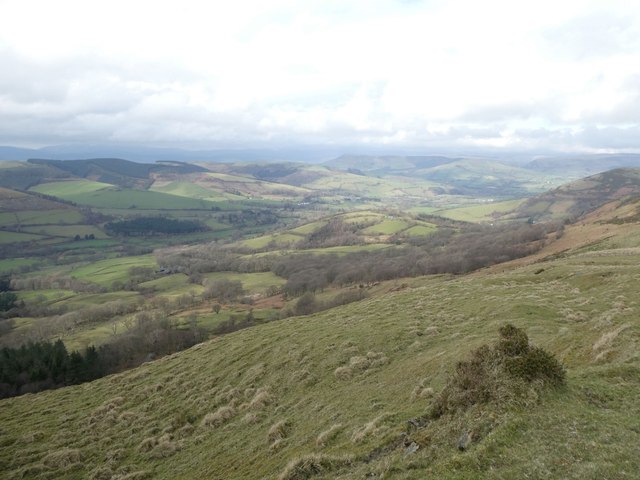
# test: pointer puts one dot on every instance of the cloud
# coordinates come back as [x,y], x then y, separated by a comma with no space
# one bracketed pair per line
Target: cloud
[498,74]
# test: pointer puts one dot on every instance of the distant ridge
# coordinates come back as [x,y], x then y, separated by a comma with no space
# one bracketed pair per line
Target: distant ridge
[582,196]
[584,165]
[117,171]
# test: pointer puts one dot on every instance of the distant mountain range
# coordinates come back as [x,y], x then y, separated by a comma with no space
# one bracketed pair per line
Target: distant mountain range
[152,154]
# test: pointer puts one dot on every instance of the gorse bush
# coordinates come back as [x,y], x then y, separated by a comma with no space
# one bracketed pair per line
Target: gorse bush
[525,361]
[504,373]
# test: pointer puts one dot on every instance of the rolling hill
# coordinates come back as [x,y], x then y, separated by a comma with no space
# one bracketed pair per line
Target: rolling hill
[462,176]
[581,196]
[573,167]
[347,393]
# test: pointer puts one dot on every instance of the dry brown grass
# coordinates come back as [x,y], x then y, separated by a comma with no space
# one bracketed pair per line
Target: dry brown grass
[220,416]
[315,464]
[278,431]
[62,458]
[328,435]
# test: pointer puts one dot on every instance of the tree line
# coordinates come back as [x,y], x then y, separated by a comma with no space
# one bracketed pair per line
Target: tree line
[153,226]
[43,365]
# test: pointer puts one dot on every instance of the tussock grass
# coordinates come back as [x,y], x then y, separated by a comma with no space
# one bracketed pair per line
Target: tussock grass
[279,431]
[261,399]
[220,416]
[422,330]
[62,458]
[325,437]
[308,466]
[373,428]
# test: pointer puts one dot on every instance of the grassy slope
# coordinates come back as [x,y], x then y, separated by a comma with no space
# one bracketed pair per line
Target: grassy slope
[582,307]
[480,213]
[105,272]
[69,187]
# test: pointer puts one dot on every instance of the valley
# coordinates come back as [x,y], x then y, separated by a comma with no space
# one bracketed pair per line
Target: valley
[286,320]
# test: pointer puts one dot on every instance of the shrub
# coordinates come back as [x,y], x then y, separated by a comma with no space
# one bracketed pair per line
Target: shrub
[499,374]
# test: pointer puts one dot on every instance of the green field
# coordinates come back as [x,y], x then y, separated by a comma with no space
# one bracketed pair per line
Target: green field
[420,230]
[38,217]
[15,263]
[186,189]
[251,282]
[15,237]
[68,231]
[136,199]
[279,240]
[44,297]
[105,272]
[386,227]
[480,213]
[308,228]
[69,187]
[363,216]
[168,282]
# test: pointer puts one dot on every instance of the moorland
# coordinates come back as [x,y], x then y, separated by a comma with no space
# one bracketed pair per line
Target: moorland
[286,320]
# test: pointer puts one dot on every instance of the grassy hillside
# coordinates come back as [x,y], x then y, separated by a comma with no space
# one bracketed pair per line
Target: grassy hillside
[581,196]
[574,167]
[462,176]
[344,393]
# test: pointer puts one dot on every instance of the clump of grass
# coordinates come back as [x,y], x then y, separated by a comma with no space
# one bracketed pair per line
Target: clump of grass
[359,363]
[422,390]
[503,373]
[32,437]
[369,429]
[254,373]
[343,373]
[261,399]
[147,444]
[115,455]
[165,447]
[62,458]
[220,416]
[250,418]
[278,431]
[138,475]
[101,473]
[328,435]
[314,464]
[303,377]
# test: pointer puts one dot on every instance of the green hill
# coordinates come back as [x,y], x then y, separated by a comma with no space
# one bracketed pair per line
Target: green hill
[581,196]
[572,166]
[117,171]
[462,176]
[346,393]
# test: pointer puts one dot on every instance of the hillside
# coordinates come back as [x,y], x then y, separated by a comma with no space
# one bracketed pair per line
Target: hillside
[583,165]
[117,171]
[580,196]
[460,176]
[353,385]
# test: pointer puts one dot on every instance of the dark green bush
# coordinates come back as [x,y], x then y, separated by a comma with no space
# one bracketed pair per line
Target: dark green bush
[537,364]
[500,373]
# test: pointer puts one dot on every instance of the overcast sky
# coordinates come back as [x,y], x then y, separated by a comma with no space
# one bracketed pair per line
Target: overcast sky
[518,75]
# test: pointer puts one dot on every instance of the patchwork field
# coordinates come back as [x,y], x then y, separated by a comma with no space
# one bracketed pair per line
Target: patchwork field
[486,212]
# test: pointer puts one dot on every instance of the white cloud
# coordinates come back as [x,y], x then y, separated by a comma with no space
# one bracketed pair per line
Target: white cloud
[432,74]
